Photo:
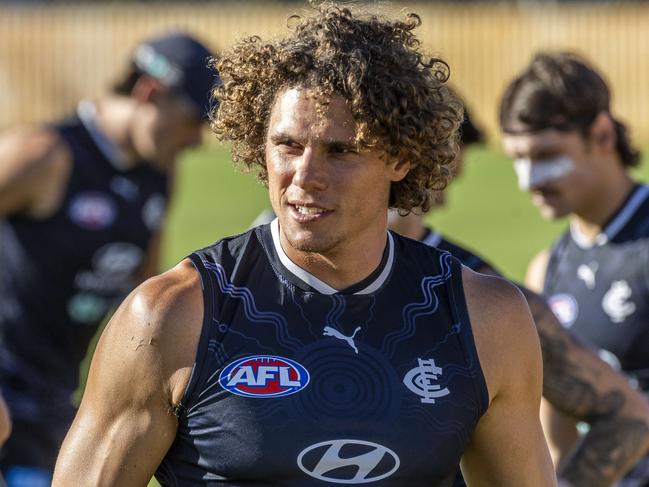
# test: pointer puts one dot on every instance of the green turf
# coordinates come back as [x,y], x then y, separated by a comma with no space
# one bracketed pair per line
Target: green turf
[486,212]
[211,200]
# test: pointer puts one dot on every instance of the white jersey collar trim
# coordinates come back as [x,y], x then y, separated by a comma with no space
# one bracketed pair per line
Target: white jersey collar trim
[87,113]
[615,225]
[319,285]
[383,276]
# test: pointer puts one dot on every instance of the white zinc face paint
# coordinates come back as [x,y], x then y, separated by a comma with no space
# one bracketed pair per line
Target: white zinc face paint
[531,174]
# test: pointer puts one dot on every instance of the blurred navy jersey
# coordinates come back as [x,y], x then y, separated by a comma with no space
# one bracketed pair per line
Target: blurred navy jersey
[466,257]
[296,383]
[600,289]
[59,276]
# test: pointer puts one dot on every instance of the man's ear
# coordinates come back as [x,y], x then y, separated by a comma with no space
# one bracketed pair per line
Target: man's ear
[399,170]
[602,132]
[146,89]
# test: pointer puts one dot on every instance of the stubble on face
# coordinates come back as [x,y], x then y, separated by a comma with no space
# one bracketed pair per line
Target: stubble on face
[313,161]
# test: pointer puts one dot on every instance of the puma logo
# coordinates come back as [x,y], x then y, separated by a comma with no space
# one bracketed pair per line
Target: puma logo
[332,332]
[587,274]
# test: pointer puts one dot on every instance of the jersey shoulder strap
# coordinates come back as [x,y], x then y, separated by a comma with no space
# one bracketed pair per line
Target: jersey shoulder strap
[556,252]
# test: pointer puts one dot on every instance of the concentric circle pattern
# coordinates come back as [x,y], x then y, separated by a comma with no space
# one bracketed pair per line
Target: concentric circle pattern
[345,385]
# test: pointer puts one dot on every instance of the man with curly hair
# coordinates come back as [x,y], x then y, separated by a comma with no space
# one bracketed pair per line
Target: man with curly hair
[321,348]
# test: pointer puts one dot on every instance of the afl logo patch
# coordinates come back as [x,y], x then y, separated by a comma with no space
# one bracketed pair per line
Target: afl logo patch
[264,376]
[565,308]
[92,210]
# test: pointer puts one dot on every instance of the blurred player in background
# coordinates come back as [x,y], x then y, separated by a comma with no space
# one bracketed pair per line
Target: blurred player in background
[574,157]
[82,204]
[576,382]
[321,348]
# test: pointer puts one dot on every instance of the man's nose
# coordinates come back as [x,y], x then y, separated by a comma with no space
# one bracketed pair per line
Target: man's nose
[310,170]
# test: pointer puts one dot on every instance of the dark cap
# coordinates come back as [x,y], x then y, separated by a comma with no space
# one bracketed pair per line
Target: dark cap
[180,62]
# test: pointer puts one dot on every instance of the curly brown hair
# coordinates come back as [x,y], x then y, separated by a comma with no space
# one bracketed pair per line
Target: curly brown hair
[397,96]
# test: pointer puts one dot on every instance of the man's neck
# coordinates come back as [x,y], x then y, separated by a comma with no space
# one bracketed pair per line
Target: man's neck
[342,267]
[114,118]
[606,202]
[411,225]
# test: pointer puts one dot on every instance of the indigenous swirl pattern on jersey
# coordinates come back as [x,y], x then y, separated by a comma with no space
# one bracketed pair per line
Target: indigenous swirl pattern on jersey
[298,384]
[60,275]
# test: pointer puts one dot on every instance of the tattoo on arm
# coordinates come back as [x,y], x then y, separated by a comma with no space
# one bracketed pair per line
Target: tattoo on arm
[579,384]
[605,451]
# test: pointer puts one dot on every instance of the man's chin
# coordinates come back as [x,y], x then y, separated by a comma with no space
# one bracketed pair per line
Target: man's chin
[310,243]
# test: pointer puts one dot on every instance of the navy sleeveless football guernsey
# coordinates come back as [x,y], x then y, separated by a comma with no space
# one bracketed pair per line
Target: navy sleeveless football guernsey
[297,384]
[59,276]
[600,289]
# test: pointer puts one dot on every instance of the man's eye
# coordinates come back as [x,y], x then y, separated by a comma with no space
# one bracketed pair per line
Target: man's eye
[288,144]
[343,150]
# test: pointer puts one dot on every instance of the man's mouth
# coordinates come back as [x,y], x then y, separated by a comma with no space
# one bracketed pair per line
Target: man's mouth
[306,213]
[309,210]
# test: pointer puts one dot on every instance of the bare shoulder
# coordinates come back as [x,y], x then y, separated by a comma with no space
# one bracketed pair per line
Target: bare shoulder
[155,331]
[36,164]
[127,419]
[535,275]
[510,357]
[502,325]
[494,298]
[168,297]
[34,146]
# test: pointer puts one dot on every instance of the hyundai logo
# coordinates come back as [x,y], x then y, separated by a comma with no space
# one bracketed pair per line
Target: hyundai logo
[348,461]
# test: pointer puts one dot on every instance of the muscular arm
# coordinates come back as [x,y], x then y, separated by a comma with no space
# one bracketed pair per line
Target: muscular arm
[33,173]
[507,447]
[140,369]
[578,384]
